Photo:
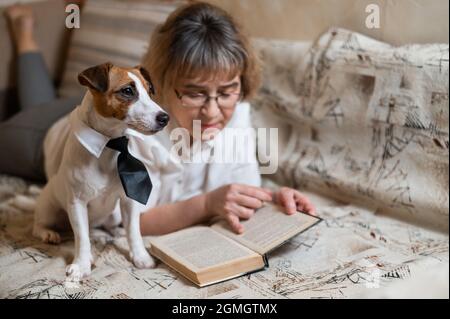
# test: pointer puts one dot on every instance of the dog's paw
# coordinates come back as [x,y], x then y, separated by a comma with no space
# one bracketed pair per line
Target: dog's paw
[47,236]
[78,271]
[143,260]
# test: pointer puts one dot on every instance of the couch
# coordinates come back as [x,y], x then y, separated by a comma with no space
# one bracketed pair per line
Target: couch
[362,130]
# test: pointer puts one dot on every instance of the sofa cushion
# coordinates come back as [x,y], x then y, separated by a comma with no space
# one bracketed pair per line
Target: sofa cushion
[115,31]
[269,111]
[369,122]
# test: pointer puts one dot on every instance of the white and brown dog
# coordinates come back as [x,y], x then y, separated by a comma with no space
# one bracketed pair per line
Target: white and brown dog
[88,187]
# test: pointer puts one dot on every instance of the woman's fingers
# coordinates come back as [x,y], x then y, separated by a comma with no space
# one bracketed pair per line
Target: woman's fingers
[292,200]
[240,211]
[244,200]
[307,208]
[304,204]
[234,223]
[287,200]
[268,192]
[249,202]
[240,202]
[244,213]
[256,192]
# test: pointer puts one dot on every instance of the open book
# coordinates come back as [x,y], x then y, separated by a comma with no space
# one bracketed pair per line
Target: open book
[211,254]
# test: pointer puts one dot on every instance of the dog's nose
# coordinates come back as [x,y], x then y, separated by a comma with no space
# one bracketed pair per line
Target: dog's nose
[162,119]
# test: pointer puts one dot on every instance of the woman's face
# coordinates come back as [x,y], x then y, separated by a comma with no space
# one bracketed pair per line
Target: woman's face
[213,117]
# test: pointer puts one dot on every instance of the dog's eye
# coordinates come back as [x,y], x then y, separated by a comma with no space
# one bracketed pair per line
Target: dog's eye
[127,91]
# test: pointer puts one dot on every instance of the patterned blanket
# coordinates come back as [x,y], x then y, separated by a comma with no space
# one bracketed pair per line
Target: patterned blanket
[354,253]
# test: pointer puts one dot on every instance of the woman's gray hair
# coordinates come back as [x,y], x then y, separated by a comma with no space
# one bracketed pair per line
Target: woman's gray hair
[201,40]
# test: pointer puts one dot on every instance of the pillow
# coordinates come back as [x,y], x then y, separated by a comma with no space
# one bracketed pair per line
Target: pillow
[279,58]
[115,31]
[369,122]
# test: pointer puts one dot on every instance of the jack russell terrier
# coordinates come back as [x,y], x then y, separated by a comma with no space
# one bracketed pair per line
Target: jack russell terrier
[90,182]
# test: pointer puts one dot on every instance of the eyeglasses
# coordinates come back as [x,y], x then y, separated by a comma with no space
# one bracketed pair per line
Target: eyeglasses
[198,100]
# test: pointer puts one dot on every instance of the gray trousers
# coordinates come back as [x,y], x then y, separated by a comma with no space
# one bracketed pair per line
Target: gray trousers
[22,135]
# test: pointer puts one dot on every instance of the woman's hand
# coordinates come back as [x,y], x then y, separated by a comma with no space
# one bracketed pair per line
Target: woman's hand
[292,200]
[235,201]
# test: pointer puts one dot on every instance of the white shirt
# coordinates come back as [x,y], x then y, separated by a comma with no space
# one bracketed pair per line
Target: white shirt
[173,179]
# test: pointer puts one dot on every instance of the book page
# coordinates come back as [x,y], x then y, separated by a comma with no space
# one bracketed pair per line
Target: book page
[268,228]
[200,247]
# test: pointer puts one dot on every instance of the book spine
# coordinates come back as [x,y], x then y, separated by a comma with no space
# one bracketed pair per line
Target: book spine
[266,261]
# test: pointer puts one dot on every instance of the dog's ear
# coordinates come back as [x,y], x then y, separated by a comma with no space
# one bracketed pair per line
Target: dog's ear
[96,77]
[146,76]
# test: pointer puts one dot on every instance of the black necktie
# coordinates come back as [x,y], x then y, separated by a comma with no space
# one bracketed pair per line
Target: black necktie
[133,175]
